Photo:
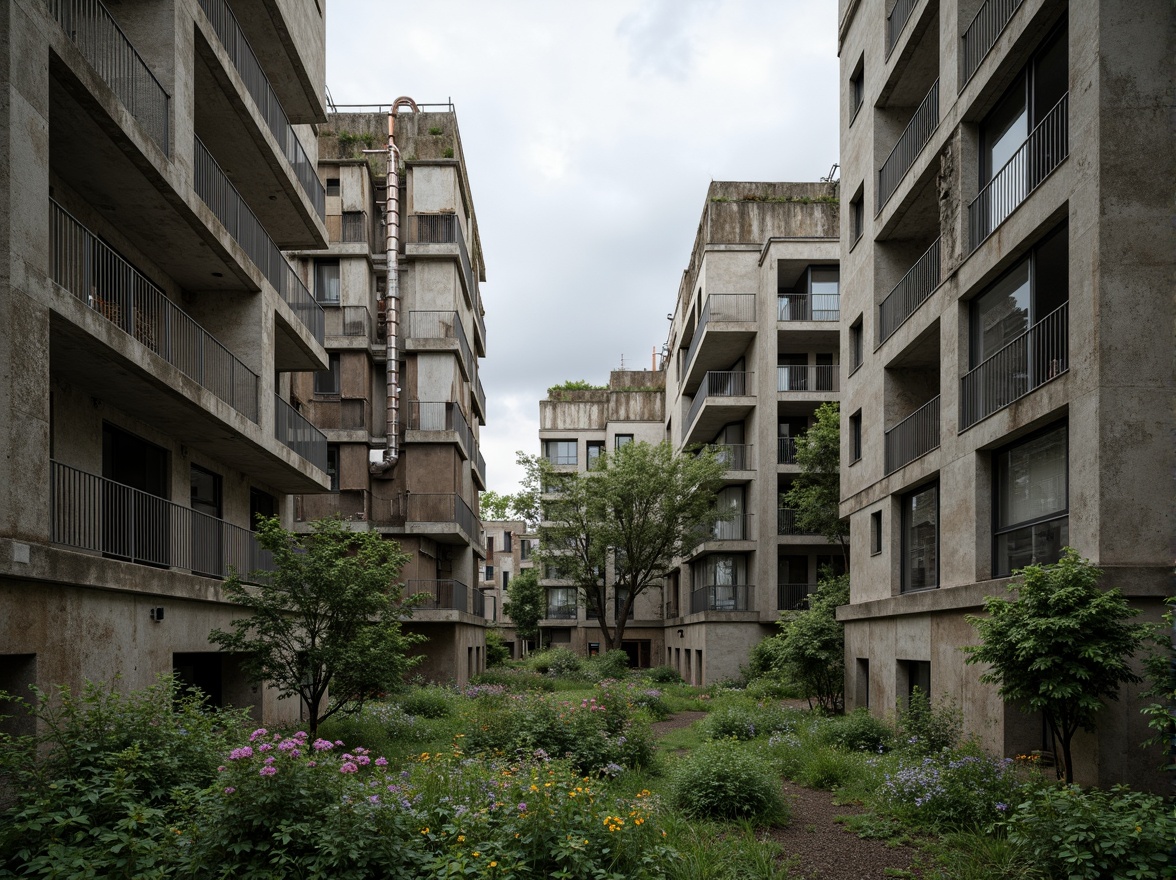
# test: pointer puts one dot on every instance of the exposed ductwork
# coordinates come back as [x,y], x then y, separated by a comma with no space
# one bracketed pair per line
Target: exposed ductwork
[383,461]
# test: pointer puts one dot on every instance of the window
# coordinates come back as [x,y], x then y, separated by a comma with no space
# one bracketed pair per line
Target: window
[560,451]
[505,581]
[333,466]
[855,344]
[792,372]
[595,449]
[561,603]
[875,533]
[506,541]
[857,216]
[825,372]
[855,436]
[857,85]
[490,548]
[730,526]
[260,504]
[920,539]
[917,674]
[207,552]
[1031,502]
[332,186]
[326,281]
[623,440]
[326,382]
[525,549]
[489,576]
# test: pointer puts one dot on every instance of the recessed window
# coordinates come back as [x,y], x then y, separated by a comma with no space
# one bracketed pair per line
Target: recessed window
[920,539]
[855,344]
[875,533]
[623,440]
[857,88]
[506,541]
[333,466]
[855,436]
[326,382]
[332,186]
[857,216]
[1031,502]
[560,451]
[595,449]
[326,281]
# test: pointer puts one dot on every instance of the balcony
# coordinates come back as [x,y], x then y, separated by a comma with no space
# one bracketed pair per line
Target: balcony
[733,527]
[726,325]
[295,432]
[93,513]
[257,84]
[349,322]
[479,399]
[348,414]
[562,612]
[436,416]
[1045,149]
[222,198]
[480,325]
[910,145]
[721,308]
[895,22]
[722,597]
[793,597]
[479,471]
[104,45]
[433,509]
[717,389]
[439,326]
[430,229]
[785,450]
[350,227]
[982,34]
[786,523]
[88,268]
[733,456]
[446,595]
[1037,356]
[808,307]
[911,292]
[808,378]
[913,437]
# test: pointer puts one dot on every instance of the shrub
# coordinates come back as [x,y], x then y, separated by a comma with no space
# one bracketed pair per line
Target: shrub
[859,732]
[610,664]
[924,728]
[664,675]
[556,662]
[722,780]
[514,679]
[952,790]
[730,722]
[1089,835]
[636,696]
[496,650]
[766,658]
[772,687]
[829,769]
[427,702]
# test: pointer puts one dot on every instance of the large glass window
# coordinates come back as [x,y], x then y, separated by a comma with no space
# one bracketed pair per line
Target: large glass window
[1031,502]
[327,381]
[595,449]
[561,603]
[560,451]
[730,526]
[326,281]
[920,539]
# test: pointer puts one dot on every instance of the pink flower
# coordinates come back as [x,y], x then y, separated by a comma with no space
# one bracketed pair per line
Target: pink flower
[338,742]
[261,731]
[265,747]
[348,767]
[363,760]
[268,770]
[221,769]
[243,752]
[270,759]
[322,745]
[312,763]
[381,762]
[294,753]
[230,790]
[302,734]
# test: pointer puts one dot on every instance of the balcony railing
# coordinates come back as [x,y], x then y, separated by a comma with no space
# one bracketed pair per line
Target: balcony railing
[350,227]
[808,377]
[294,431]
[93,513]
[439,415]
[349,321]
[733,456]
[786,523]
[562,612]
[480,320]
[808,307]
[89,269]
[102,43]
[446,595]
[721,307]
[480,465]
[442,325]
[1037,356]
[222,198]
[722,597]
[785,450]
[914,436]
[720,383]
[1043,151]
[982,34]
[896,21]
[793,597]
[430,507]
[910,144]
[911,292]
[443,229]
[733,527]
[257,84]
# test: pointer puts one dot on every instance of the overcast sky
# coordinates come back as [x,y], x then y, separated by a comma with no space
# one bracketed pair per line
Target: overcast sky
[591,130]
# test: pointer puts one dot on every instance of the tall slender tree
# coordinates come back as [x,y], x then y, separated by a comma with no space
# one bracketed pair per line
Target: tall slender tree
[815,494]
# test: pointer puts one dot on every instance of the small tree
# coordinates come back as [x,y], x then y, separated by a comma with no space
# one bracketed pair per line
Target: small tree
[325,625]
[1061,649]
[816,491]
[811,646]
[524,603]
[494,506]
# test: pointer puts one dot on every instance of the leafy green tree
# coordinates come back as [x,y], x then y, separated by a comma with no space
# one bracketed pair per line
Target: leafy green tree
[495,505]
[635,512]
[1160,672]
[816,491]
[810,648]
[525,604]
[1061,649]
[496,650]
[325,626]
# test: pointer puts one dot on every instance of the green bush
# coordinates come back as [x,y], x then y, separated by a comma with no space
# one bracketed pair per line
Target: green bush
[924,728]
[828,769]
[664,675]
[637,696]
[952,790]
[1091,835]
[722,780]
[859,732]
[730,722]
[514,679]
[773,687]
[766,658]
[496,650]
[556,662]
[427,702]
[610,664]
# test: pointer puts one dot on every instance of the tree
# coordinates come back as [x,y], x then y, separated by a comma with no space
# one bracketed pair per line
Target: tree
[816,492]
[811,646]
[325,625]
[524,603]
[635,512]
[495,506]
[1061,649]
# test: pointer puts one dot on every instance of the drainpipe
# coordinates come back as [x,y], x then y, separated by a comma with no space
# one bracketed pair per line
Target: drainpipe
[382,464]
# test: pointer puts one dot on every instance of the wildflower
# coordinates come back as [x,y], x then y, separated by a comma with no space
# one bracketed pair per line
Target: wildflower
[312,763]
[221,769]
[374,799]
[230,790]
[522,807]
[494,864]
[268,770]
[425,830]
[476,854]
[1002,807]
[264,747]
[381,762]
[338,742]
[322,745]
[260,732]
[243,752]
[363,760]
[348,767]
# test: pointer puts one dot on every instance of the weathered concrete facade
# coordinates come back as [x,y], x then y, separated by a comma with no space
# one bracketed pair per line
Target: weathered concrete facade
[509,545]
[1007,266]
[149,327]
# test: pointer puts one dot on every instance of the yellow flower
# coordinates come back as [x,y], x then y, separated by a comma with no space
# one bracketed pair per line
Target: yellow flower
[424,831]
[461,838]
[476,854]
[494,864]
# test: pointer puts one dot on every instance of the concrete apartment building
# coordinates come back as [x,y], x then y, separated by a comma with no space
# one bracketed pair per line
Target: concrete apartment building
[1007,263]
[156,158]
[509,546]
[401,402]
[575,428]
[752,352]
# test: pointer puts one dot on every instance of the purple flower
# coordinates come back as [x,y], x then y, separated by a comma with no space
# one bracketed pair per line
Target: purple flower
[322,745]
[381,762]
[348,767]
[522,807]
[312,763]
[1002,807]
[286,745]
[221,769]
[268,770]
[338,742]
[374,799]
[230,790]
[243,752]
[265,747]
[260,732]
[363,760]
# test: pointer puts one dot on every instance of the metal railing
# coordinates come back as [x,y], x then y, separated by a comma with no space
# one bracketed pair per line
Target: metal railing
[982,34]
[793,597]
[911,292]
[1037,356]
[223,199]
[733,456]
[442,325]
[785,450]
[439,415]
[895,22]
[480,464]
[732,527]
[480,320]
[480,398]
[294,431]
[1043,151]
[808,307]
[786,523]
[808,377]
[93,513]
[446,595]
[89,24]
[910,144]
[349,321]
[562,612]
[720,383]
[257,84]
[88,268]
[350,227]
[443,229]
[722,597]
[914,436]
[442,508]
[721,307]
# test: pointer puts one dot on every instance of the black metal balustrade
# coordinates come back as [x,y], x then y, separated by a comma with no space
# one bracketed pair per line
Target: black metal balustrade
[93,513]
[727,307]
[446,594]
[442,325]
[900,13]
[785,450]
[562,612]
[222,198]
[911,292]
[439,415]
[722,597]
[93,272]
[910,144]
[786,523]
[808,377]
[733,456]
[732,527]
[914,436]
[982,34]
[480,464]
[480,397]
[808,307]
[1043,151]
[720,383]
[258,85]
[433,507]
[349,321]
[293,430]
[89,24]
[444,229]
[350,227]
[1037,356]
[793,597]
